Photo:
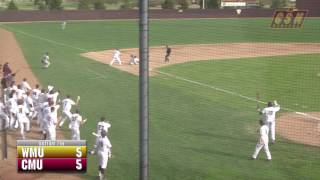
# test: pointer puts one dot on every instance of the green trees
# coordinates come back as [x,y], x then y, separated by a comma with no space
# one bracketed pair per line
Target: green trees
[278,3]
[12,6]
[84,5]
[183,4]
[99,5]
[212,4]
[168,4]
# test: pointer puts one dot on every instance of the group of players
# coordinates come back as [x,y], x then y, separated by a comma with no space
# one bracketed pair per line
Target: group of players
[23,104]
[267,127]
[133,59]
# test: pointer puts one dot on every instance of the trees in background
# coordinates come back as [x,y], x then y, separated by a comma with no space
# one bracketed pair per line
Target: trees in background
[12,6]
[84,5]
[168,4]
[278,4]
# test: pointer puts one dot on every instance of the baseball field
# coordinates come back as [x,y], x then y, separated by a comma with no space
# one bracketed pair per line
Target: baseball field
[203,118]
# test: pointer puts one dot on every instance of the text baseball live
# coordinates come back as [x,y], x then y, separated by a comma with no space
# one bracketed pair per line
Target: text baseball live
[51,158]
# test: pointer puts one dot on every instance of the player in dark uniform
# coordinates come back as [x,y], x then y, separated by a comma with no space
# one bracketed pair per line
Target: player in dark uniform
[168,52]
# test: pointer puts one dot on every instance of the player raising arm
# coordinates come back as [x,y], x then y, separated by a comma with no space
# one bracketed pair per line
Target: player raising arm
[67,104]
[269,116]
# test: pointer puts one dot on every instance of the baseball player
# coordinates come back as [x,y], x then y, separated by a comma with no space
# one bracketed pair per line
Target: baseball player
[116,57]
[269,115]
[67,104]
[22,118]
[168,53]
[63,25]
[51,121]
[263,141]
[75,125]
[45,60]
[133,60]
[6,69]
[12,106]
[103,125]
[25,85]
[103,148]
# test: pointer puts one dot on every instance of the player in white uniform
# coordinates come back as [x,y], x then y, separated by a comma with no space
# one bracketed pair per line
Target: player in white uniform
[35,97]
[103,125]
[75,125]
[25,85]
[12,106]
[45,60]
[134,60]
[269,115]
[63,25]
[50,124]
[23,120]
[103,148]
[67,104]
[116,57]
[263,141]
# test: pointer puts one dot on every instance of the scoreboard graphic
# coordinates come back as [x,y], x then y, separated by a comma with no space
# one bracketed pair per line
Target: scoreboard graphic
[46,155]
[288,19]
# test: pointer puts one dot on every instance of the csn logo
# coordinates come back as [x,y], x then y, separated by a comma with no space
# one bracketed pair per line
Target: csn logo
[288,19]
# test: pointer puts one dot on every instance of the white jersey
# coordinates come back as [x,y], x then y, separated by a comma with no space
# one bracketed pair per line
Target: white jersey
[46,58]
[35,94]
[20,93]
[25,86]
[75,121]
[2,108]
[22,114]
[116,54]
[28,101]
[270,113]
[12,105]
[53,97]
[51,121]
[103,126]
[67,104]
[264,131]
[103,145]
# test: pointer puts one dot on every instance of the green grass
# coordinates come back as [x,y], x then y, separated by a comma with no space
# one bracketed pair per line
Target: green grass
[196,132]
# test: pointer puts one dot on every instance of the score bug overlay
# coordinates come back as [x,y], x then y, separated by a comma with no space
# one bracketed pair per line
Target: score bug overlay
[46,155]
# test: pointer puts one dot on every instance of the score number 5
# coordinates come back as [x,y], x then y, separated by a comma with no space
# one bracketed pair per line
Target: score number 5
[78,161]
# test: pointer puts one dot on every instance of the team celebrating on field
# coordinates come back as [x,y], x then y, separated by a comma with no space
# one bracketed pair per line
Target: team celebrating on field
[22,104]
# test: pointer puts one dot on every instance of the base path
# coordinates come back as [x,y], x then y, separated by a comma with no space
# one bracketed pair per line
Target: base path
[198,52]
[10,52]
[299,128]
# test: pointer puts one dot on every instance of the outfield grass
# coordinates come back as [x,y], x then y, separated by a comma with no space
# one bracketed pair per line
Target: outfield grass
[196,132]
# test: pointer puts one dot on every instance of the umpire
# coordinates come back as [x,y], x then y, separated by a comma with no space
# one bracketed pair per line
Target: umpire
[168,53]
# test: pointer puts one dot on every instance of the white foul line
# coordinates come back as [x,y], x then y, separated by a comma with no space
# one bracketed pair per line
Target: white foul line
[168,74]
[232,93]
[45,39]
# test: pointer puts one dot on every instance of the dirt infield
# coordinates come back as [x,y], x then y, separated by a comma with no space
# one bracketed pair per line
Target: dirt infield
[300,128]
[198,52]
[11,52]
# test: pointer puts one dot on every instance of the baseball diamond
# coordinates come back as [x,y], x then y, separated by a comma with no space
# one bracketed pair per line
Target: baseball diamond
[205,103]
